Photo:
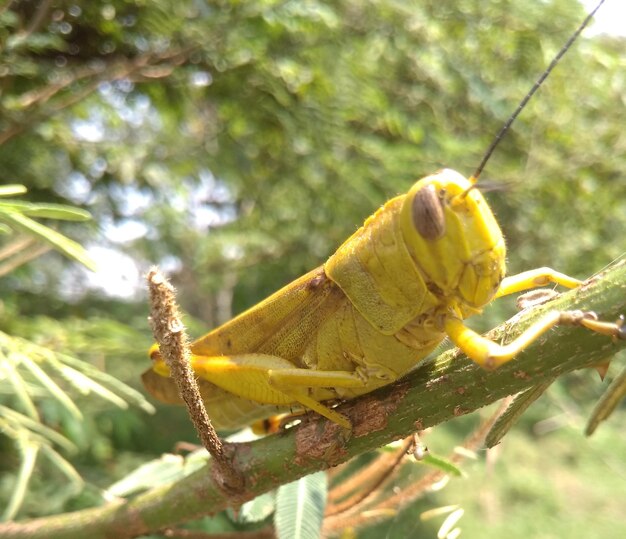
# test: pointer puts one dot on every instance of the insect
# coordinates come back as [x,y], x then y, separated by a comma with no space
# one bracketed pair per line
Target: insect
[409,277]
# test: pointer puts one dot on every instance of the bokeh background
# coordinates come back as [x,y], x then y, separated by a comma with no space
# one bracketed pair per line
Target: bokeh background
[236,145]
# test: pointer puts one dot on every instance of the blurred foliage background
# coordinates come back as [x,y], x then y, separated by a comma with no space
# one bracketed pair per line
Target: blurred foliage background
[236,144]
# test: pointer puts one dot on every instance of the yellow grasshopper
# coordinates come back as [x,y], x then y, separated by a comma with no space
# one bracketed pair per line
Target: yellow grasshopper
[409,277]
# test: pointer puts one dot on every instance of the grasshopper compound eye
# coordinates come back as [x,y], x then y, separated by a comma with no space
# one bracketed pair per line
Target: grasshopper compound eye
[428,214]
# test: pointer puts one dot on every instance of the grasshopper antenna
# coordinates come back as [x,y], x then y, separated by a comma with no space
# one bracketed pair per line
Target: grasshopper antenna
[533,90]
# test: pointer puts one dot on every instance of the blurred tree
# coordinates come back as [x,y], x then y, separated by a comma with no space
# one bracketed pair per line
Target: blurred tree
[226,136]
[238,143]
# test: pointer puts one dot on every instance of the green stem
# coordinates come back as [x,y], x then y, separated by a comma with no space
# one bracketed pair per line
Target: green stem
[437,391]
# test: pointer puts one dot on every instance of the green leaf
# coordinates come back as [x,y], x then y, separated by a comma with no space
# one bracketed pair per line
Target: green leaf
[12,190]
[38,431]
[20,389]
[300,507]
[67,246]
[49,384]
[258,509]
[86,385]
[47,211]
[156,472]
[62,361]
[448,528]
[437,512]
[166,469]
[607,402]
[63,466]
[29,456]
[518,406]
[441,464]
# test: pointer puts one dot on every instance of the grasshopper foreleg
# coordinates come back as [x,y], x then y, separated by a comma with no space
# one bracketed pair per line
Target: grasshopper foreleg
[533,279]
[490,355]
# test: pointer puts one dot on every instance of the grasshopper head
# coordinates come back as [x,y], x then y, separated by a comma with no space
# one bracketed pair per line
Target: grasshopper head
[454,238]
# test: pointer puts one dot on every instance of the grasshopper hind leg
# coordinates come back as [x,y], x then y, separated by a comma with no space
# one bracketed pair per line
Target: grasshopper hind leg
[269,379]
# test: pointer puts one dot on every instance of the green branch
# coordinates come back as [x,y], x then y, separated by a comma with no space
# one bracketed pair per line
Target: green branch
[439,390]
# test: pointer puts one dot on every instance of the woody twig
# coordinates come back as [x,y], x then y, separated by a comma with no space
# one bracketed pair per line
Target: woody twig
[170,334]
